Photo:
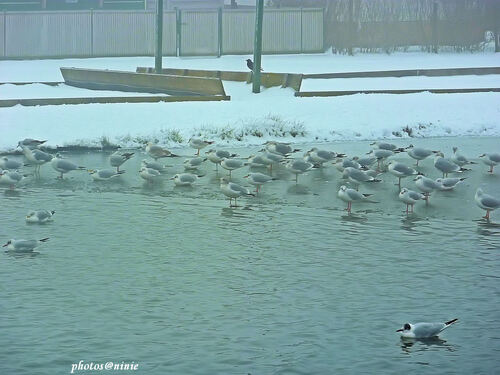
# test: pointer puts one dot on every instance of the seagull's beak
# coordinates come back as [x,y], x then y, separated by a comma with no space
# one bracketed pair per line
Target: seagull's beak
[5,244]
[400,330]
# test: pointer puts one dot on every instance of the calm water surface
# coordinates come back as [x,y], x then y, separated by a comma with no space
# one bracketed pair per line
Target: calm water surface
[287,283]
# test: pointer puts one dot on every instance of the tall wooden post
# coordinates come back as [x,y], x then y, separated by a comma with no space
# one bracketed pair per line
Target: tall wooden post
[257,48]
[159,35]
[435,37]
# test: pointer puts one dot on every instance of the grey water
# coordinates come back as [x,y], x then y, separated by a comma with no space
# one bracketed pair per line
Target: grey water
[286,283]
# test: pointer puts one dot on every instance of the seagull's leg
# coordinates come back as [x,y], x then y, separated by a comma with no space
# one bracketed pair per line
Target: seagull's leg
[417,162]
[491,169]
[198,153]
[487,216]
[296,178]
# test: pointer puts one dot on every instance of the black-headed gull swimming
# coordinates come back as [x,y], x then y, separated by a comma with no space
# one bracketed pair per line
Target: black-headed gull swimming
[423,330]
[39,216]
[258,179]
[486,202]
[198,144]
[400,170]
[410,197]
[351,195]
[491,159]
[449,183]
[64,166]
[24,246]
[117,158]
[232,190]
[419,153]
[184,179]
[104,174]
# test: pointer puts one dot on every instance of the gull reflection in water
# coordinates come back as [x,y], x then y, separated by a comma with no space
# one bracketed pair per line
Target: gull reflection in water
[409,345]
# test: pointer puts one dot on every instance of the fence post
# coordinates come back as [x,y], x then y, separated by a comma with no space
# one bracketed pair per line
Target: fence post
[159,36]
[257,48]
[4,33]
[178,30]
[351,27]
[496,14]
[435,36]
[219,19]
[91,32]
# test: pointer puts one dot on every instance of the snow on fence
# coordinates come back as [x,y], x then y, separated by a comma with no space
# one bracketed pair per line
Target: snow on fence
[131,33]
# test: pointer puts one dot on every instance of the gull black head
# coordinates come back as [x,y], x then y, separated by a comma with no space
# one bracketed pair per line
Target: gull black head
[406,327]
[8,243]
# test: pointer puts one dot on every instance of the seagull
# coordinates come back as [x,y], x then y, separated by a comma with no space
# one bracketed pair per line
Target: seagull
[24,246]
[400,170]
[258,161]
[486,202]
[184,179]
[351,195]
[386,146]
[36,157]
[258,179]
[117,159]
[198,144]
[357,176]
[342,164]
[64,166]
[39,216]
[149,174]
[318,157]
[5,163]
[193,163]
[280,148]
[418,153]
[104,174]
[448,183]
[271,158]
[216,156]
[154,165]
[410,197]
[459,159]
[231,164]
[11,178]
[423,330]
[232,190]
[491,160]
[445,165]
[426,185]
[365,162]
[30,143]
[297,167]
[380,155]
[157,152]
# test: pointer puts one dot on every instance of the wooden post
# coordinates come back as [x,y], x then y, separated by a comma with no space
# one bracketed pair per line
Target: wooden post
[159,36]
[351,27]
[435,38]
[219,20]
[257,49]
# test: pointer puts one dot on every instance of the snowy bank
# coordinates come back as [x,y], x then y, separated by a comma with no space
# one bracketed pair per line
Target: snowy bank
[253,119]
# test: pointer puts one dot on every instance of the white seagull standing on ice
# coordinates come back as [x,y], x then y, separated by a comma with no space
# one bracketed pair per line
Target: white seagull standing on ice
[63,165]
[157,152]
[232,190]
[423,330]
[491,160]
[351,195]
[486,202]
[198,144]
[258,179]
[410,197]
[117,159]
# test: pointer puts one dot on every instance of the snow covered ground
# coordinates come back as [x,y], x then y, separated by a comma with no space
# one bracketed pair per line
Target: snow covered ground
[252,119]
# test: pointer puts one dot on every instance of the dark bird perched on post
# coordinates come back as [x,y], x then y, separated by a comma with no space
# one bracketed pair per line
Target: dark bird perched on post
[250,65]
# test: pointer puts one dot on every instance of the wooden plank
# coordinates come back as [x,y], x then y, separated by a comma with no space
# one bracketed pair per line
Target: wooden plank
[112,99]
[434,91]
[142,82]
[407,73]
[267,79]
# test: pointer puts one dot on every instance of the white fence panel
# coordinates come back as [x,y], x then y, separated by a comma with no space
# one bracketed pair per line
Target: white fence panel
[169,45]
[47,34]
[312,30]
[2,34]
[238,29]
[281,31]
[200,33]
[123,33]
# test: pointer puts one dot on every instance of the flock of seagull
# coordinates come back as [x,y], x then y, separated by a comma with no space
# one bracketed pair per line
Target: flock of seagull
[356,170]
